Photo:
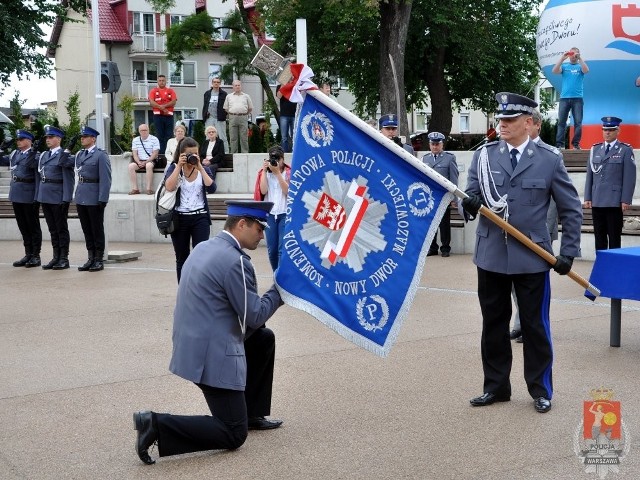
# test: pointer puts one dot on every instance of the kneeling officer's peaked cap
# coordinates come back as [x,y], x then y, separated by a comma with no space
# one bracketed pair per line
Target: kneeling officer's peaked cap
[611,122]
[388,121]
[512,105]
[88,132]
[249,208]
[20,134]
[50,131]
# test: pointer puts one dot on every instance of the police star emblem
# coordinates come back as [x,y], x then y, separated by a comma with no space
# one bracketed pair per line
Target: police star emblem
[601,440]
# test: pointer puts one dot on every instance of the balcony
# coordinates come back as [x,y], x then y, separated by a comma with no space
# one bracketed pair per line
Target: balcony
[140,90]
[147,44]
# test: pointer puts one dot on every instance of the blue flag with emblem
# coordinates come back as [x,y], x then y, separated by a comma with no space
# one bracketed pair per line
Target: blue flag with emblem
[361,215]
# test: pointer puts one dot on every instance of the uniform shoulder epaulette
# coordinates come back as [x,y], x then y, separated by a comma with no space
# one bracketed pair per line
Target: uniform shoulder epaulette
[597,144]
[628,145]
[490,144]
[549,148]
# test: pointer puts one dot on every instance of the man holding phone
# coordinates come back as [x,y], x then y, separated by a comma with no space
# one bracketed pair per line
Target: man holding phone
[571,96]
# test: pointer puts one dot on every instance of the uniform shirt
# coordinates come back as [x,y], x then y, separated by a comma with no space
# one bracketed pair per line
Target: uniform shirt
[162,96]
[150,144]
[238,103]
[445,164]
[572,81]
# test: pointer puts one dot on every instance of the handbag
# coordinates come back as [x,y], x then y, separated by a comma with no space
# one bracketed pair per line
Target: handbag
[166,216]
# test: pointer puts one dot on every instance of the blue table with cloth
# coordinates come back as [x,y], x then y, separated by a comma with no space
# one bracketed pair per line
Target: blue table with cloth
[616,272]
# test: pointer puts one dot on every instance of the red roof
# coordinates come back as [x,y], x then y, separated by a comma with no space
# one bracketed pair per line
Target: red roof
[111,30]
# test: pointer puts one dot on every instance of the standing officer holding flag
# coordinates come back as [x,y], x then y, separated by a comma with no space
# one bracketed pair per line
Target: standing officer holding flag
[516,178]
[92,194]
[22,163]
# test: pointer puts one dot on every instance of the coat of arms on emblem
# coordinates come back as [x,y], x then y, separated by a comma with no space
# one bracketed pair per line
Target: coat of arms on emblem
[317,129]
[601,440]
[344,221]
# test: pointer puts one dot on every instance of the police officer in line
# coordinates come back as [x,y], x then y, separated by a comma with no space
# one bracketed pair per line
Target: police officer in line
[22,163]
[93,168]
[445,164]
[54,190]
[516,178]
[389,128]
[611,181]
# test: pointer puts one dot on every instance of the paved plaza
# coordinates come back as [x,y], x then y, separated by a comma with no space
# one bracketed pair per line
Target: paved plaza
[81,351]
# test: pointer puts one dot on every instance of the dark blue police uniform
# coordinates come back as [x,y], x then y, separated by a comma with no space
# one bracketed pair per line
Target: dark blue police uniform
[22,191]
[54,190]
[92,195]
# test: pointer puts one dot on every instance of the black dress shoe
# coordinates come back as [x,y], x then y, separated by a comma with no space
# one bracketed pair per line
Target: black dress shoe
[147,435]
[515,333]
[519,339]
[261,423]
[542,405]
[431,253]
[445,254]
[488,399]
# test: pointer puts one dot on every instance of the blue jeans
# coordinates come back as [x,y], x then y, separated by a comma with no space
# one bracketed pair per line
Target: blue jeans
[192,229]
[286,131]
[274,234]
[164,129]
[576,106]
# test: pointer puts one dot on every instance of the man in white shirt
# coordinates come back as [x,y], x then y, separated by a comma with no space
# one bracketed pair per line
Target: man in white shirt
[145,149]
[238,105]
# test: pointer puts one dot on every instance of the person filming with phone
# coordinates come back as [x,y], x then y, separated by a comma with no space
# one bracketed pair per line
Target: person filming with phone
[195,181]
[571,96]
[272,185]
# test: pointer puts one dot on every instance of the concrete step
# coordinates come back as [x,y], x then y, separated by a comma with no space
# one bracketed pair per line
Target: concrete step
[4,191]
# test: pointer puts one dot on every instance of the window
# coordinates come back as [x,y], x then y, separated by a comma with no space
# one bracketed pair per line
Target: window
[422,121]
[142,116]
[184,114]
[183,76]
[219,33]
[175,19]
[215,70]
[143,23]
[145,71]
[464,122]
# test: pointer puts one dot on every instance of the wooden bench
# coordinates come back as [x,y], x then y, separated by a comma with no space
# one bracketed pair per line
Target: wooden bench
[587,220]
[6,210]
[575,161]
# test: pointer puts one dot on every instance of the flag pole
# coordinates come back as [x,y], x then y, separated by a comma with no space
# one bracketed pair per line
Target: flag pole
[451,187]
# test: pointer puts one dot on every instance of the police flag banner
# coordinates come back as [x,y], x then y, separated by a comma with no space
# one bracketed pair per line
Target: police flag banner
[361,214]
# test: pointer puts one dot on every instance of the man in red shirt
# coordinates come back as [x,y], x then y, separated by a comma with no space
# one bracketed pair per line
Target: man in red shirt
[162,100]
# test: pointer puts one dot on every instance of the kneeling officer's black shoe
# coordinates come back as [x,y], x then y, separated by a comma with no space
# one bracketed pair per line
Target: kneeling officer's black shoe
[147,435]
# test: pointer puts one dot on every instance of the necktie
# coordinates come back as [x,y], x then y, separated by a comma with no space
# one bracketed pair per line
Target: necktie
[514,158]
[606,150]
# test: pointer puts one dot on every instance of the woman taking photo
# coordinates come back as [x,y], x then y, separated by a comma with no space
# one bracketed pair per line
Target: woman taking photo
[195,181]
[212,150]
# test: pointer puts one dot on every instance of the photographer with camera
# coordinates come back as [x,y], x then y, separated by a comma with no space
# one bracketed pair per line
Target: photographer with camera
[571,96]
[194,182]
[272,185]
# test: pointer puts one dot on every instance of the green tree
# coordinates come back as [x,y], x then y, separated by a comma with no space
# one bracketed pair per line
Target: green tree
[73,111]
[126,133]
[16,112]
[459,52]
[22,40]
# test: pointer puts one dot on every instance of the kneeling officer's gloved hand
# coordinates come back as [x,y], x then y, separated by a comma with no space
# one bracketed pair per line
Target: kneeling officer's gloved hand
[563,264]
[472,204]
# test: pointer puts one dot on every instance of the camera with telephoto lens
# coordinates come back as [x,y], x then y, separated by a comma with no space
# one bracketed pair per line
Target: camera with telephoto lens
[274,159]
[192,159]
